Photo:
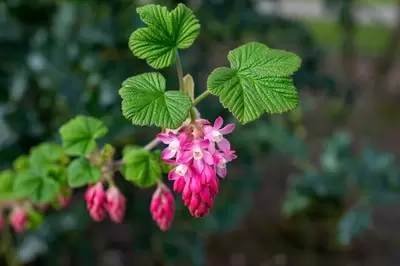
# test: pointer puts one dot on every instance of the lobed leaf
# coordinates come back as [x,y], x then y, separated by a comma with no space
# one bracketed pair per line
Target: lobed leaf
[81,173]
[145,102]
[142,167]
[36,184]
[80,133]
[257,81]
[166,32]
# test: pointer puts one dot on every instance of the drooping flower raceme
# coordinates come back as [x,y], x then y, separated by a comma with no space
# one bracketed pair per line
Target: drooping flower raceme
[200,152]
[115,204]
[162,207]
[18,219]
[95,201]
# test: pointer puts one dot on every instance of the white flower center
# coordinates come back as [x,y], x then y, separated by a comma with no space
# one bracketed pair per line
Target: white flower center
[174,145]
[222,163]
[181,169]
[197,153]
[216,136]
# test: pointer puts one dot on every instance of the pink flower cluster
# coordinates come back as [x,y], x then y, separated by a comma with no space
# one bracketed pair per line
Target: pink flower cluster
[99,202]
[162,207]
[200,153]
[18,219]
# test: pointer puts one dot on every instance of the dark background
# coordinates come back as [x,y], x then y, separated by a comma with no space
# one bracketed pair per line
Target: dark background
[316,186]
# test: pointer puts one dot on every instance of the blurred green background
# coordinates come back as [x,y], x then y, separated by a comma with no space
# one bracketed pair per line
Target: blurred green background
[316,186]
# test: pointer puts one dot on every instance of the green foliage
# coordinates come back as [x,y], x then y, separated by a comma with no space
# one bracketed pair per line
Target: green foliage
[352,224]
[21,163]
[81,173]
[80,133]
[142,167]
[166,32]
[295,203]
[36,184]
[146,102]
[6,185]
[45,153]
[257,81]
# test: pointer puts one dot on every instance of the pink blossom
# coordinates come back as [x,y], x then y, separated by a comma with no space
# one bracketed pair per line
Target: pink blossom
[198,161]
[216,134]
[18,219]
[197,151]
[95,201]
[174,144]
[221,159]
[115,204]
[162,207]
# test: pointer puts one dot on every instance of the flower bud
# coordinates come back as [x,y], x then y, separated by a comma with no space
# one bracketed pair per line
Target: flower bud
[115,204]
[2,221]
[18,219]
[162,207]
[64,201]
[95,201]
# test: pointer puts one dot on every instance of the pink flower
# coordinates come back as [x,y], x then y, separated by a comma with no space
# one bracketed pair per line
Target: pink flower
[162,207]
[18,219]
[221,159]
[216,134]
[115,204]
[197,151]
[95,201]
[197,162]
[174,144]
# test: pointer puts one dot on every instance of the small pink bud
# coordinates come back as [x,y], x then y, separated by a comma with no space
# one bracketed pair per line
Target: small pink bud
[95,201]
[42,207]
[2,221]
[162,207]
[18,219]
[115,204]
[64,201]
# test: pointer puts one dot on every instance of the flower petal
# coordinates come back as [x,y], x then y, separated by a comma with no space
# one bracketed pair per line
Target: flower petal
[165,138]
[224,145]
[227,129]
[221,171]
[218,123]
[198,165]
[167,154]
[208,158]
[185,156]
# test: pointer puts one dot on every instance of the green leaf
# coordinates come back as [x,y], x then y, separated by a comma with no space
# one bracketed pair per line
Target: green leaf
[35,219]
[145,102]
[80,173]
[21,163]
[166,32]
[36,184]
[45,153]
[142,167]
[166,168]
[258,81]
[295,203]
[353,224]
[6,185]
[80,133]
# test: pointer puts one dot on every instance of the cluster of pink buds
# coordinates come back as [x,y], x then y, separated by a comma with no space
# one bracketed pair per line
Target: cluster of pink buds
[18,219]
[99,202]
[162,207]
[200,153]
